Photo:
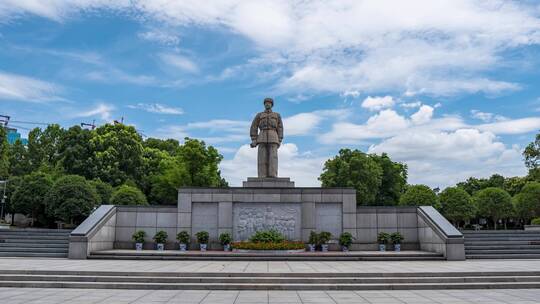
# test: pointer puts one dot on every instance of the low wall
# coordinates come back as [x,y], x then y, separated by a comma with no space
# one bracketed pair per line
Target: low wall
[97,232]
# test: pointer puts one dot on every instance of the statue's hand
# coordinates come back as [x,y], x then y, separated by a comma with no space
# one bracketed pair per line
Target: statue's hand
[253,143]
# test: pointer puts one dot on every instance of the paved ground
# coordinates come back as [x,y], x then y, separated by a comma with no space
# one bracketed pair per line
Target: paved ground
[45,296]
[264,267]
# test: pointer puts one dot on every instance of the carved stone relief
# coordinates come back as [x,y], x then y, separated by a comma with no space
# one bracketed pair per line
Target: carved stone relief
[249,218]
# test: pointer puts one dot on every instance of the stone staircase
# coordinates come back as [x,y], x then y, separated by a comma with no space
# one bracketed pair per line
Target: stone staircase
[53,243]
[502,244]
[268,281]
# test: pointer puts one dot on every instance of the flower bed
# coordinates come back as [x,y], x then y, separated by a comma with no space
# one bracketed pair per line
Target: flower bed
[285,245]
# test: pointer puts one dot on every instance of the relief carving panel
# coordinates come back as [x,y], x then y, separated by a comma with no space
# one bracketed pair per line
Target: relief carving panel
[251,217]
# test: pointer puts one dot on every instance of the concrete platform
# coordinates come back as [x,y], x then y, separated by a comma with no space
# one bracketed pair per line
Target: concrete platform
[265,256]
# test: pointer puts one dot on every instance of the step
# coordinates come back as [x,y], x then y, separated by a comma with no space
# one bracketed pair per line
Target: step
[34,245]
[504,247]
[500,243]
[504,251]
[19,249]
[33,254]
[266,258]
[503,256]
[33,241]
[27,237]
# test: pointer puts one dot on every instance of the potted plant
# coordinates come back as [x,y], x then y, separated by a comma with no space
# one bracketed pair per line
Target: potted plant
[138,238]
[313,240]
[160,238]
[383,239]
[183,238]
[202,238]
[345,240]
[225,239]
[396,238]
[324,237]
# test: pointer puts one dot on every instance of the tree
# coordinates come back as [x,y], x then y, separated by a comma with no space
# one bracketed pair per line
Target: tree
[165,185]
[166,145]
[28,197]
[103,190]
[43,146]
[117,154]
[353,168]
[19,162]
[71,199]
[128,195]
[76,153]
[513,185]
[494,203]
[419,195]
[527,202]
[456,205]
[201,163]
[532,154]
[4,159]
[394,180]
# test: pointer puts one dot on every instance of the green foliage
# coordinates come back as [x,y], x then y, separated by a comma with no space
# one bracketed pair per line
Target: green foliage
[183,237]
[353,168]
[28,197]
[76,152]
[160,237]
[104,191]
[313,237]
[394,180]
[324,237]
[535,221]
[383,237]
[4,156]
[201,163]
[138,236]
[513,185]
[346,239]
[457,204]
[494,203]
[43,146]
[396,238]
[267,236]
[128,195]
[202,237]
[284,245]
[532,154]
[225,238]
[19,162]
[527,202]
[71,199]
[419,195]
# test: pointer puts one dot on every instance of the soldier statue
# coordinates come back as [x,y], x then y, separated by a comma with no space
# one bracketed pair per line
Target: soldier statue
[267,133]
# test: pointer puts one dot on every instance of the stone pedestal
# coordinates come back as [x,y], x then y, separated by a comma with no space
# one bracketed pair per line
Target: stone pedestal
[268,182]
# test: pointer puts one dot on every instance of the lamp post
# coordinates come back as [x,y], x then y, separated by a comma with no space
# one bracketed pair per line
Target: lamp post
[3,200]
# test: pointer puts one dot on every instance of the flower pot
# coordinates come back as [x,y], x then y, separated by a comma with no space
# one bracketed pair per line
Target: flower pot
[397,247]
[227,247]
[382,247]
[203,247]
[312,247]
[344,248]
[183,247]
[160,246]
[324,247]
[138,246]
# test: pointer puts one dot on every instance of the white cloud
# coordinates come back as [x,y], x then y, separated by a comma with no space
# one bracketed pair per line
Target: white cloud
[424,115]
[161,36]
[378,103]
[157,108]
[179,62]
[513,126]
[414,47]
[307,123]
[486,117]
[103,110]
[411,105]
[27,89]
[300,167]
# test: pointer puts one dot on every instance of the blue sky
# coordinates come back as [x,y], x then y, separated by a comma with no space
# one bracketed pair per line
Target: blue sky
[449,88]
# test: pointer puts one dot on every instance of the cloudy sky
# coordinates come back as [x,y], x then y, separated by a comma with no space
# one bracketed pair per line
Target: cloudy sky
[449,87]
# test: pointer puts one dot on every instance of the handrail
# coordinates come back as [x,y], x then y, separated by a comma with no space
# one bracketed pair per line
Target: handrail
[440,222]
[91,222]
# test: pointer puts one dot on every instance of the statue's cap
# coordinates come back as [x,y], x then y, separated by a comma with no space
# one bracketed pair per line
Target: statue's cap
[268,99]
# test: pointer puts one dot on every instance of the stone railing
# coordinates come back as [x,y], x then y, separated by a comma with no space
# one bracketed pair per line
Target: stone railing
[97,232]
[436,234]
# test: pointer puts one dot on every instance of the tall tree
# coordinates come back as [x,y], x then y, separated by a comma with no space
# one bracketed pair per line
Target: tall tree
[43,146]
[456,205]
[76,153]
[493,203]
[28,198]
[527,202]
[353,168]
[4,158]
[532,153]
[394,180]
[201,163]
[420,195]
[19,162]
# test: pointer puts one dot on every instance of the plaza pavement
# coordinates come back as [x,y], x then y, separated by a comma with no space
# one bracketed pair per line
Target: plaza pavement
[102,296]
[269,266]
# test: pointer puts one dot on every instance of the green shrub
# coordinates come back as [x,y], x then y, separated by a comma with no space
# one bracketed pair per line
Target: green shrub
[396,238]
[104,191]
[267,236]
[324,237]
[383,238]
[202,237]
[183,237]
[225,238]
[313,238]
[160,237]
[535,221]
[346,239]
[128,195]
[284,245]
[138,236]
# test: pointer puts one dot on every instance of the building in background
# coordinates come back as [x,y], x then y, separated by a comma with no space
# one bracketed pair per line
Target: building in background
[13,135]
